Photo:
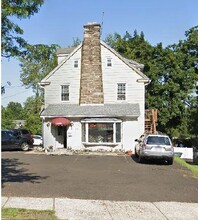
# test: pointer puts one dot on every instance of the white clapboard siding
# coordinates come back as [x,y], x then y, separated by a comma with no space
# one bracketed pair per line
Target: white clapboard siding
[119,72]
[65,75]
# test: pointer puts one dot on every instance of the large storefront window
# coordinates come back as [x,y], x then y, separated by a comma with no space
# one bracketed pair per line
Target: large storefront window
[101,132]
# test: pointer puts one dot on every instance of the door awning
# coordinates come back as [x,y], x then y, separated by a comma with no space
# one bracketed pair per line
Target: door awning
[60,121]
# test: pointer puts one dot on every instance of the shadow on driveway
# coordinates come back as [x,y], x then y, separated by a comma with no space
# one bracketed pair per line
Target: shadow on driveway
[12,171]
[150,161]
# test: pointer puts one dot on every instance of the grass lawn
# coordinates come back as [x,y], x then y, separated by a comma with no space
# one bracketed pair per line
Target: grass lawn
[26,214]
[191,167]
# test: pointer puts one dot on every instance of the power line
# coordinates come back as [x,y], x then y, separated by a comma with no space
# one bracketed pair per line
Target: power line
[12,95]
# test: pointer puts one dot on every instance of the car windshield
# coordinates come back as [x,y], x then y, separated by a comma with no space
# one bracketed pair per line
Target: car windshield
[158,140]
[37,137]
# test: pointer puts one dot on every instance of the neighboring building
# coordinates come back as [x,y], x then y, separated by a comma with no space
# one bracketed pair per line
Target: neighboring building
[19,123]
[94,98]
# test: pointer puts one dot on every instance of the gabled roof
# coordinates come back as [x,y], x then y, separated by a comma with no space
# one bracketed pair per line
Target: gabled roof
[64,51]
[74,50]
[131,63]
[106,110]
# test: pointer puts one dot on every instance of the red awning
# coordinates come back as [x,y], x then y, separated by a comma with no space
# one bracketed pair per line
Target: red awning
[60,121]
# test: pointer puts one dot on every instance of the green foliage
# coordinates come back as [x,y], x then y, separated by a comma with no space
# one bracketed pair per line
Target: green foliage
[14,111]
[12,43]
[15,213]
[192,168]
[193,117]
[174,77]
[34,123]
[32,108]
[29,113]
[38,61]
[6,122]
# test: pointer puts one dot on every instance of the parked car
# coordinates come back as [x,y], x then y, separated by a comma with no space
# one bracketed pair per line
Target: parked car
[11,141]
[38,140]
[23,133]
[156,146]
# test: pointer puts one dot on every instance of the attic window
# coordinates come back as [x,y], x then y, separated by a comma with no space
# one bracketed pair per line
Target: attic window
[75,63]
[109,62]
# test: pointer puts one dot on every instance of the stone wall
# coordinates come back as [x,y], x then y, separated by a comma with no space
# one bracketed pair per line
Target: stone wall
[91,88]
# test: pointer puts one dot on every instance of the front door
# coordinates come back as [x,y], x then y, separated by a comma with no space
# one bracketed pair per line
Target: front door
[65,136]
[61,136]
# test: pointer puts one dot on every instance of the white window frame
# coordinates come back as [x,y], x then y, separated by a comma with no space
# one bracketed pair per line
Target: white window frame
[109,62]
[65,93]
[85,136]
[121,91]
[76,63]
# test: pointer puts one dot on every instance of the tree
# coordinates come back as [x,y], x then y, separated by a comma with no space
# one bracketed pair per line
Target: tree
[32,108]
[12,43]
[173,74]
[6,122]
[13,111]
[36,64]
[76,42]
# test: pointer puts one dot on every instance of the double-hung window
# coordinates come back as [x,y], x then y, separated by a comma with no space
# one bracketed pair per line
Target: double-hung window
[121,91]
[109,62]
[65,93]
[75,63]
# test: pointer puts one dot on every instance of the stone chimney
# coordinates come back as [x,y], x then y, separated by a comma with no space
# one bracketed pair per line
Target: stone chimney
[91,85]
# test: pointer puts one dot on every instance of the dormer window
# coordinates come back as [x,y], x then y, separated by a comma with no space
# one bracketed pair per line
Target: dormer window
[75,63]
[109,62]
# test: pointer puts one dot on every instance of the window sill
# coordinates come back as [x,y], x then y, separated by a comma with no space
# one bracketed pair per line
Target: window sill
[99,144]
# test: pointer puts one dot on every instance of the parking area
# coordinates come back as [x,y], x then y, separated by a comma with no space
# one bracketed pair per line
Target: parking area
[97,177]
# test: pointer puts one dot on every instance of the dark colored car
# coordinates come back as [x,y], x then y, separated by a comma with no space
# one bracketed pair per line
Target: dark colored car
[11,141]
[23,133]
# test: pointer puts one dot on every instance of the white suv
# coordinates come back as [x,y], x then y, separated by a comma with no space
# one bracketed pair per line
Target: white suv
[154,146]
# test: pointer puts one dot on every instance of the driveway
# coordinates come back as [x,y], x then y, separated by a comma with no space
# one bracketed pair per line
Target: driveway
[116,178]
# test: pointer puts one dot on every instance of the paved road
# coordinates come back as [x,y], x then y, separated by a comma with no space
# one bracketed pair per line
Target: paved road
[115,178]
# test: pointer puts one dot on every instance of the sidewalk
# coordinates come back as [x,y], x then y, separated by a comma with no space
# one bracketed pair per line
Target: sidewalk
[76,209]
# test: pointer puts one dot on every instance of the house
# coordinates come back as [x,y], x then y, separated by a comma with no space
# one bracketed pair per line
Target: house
[94,98]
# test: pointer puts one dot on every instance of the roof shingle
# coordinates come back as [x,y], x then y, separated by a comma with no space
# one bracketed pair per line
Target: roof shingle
[106,110]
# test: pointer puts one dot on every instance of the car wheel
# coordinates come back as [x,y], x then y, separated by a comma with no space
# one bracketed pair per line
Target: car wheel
[170,161]
[25,146]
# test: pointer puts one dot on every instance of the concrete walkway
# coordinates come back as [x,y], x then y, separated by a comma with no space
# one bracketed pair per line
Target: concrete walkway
[76,209]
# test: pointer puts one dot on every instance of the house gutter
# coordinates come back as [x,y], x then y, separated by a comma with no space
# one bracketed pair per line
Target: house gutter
[145,81]
[42,84]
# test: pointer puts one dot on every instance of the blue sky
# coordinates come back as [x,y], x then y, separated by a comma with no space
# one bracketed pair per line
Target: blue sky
[60,21]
